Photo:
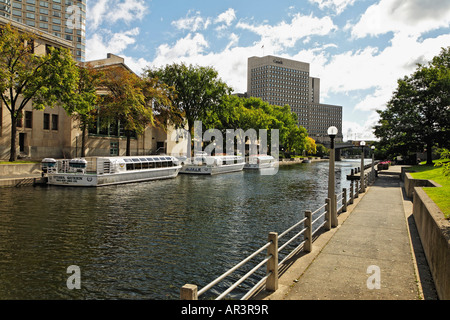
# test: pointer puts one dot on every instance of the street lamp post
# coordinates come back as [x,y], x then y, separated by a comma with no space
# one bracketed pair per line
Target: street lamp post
[373,162]
[332,132]
[363,187]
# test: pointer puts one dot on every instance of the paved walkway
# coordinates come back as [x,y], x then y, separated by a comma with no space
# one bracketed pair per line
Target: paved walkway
[372,238]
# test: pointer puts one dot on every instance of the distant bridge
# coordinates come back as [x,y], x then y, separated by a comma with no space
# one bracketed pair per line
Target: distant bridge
[338,146]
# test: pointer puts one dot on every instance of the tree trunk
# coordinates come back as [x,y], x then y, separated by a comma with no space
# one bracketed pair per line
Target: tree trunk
[13,151]
[128,134]
[83,141]
[429,153]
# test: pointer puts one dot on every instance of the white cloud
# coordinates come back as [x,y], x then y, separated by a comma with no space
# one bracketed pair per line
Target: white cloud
[99,45]
[286,35]
[352,130]
[226,17]
[187,47]
[192,23]
[370,69]
[407,16]
[337,5]
[112,11]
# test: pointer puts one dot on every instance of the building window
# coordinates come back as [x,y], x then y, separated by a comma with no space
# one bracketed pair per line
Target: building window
[28,119]
[114,149]
[55,119]
[19,120]
[46,121]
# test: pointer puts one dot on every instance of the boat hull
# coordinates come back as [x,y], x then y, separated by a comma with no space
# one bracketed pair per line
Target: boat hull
[211,170]
[252,166]
[97,180]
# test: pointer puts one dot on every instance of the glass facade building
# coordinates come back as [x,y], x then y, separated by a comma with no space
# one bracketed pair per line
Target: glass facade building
[65,19]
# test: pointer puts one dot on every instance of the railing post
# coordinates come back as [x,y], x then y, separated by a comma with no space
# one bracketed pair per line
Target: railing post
[272,264]
[308,233]
[334,219]
[357,189]
[328,214]
[189,292]
[352,195]
[344,200]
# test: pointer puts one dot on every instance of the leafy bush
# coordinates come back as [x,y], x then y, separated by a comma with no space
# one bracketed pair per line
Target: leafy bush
[444,161]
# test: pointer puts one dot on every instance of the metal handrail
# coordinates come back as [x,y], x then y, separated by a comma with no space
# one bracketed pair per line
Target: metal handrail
[291,228]
[263,262]
[343,196]
[240,264]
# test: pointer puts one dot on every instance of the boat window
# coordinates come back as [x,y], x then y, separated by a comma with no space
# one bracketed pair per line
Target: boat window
[130,166]
[136,160]
[151,165]
[158,164]
[150,159]
[137,166]
[144,165]
[127,160]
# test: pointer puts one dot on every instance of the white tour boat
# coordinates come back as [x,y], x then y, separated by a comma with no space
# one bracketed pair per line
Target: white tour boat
[204,164]
[260,162]
[103,171]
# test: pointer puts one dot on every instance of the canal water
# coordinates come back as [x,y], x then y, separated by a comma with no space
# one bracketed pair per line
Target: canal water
[146,240]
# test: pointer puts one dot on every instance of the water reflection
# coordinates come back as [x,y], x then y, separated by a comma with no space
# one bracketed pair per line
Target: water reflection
[146,240]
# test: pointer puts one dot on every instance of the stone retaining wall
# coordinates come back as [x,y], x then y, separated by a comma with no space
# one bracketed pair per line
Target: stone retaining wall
[19,169]
[411,183]
[434,232]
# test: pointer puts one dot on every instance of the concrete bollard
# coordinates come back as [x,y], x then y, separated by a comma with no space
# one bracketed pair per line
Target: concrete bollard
[308,233]
[334,219]
[352,195]
[344,200]
[328,214]
[272,264]
[189,292]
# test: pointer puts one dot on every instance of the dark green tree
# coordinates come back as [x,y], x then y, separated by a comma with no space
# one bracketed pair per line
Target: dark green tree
[197,89]
[45,81]
[418,114]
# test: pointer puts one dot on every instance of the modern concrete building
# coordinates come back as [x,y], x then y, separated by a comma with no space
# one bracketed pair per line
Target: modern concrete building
[64,19]
[281,81]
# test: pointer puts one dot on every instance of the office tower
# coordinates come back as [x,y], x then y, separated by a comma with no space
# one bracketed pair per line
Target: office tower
[65,19]
[281,81]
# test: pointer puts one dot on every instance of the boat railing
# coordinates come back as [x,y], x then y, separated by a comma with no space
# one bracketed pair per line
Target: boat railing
[65,166]
[306,230]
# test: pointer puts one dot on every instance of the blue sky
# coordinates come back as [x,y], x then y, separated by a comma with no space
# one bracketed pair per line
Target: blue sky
[358,48]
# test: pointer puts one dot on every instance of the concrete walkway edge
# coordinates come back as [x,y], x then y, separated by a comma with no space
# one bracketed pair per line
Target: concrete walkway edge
[375,240]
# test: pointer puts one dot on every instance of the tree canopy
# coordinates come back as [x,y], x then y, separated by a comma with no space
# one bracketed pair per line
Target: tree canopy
[418,115]
[45,81]
[197,89]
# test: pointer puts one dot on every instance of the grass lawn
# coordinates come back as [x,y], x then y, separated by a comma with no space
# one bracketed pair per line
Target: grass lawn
[441,196]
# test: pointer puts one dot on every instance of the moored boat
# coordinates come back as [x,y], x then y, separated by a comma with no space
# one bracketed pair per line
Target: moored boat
[103,171]
[210,165]
[259,162]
